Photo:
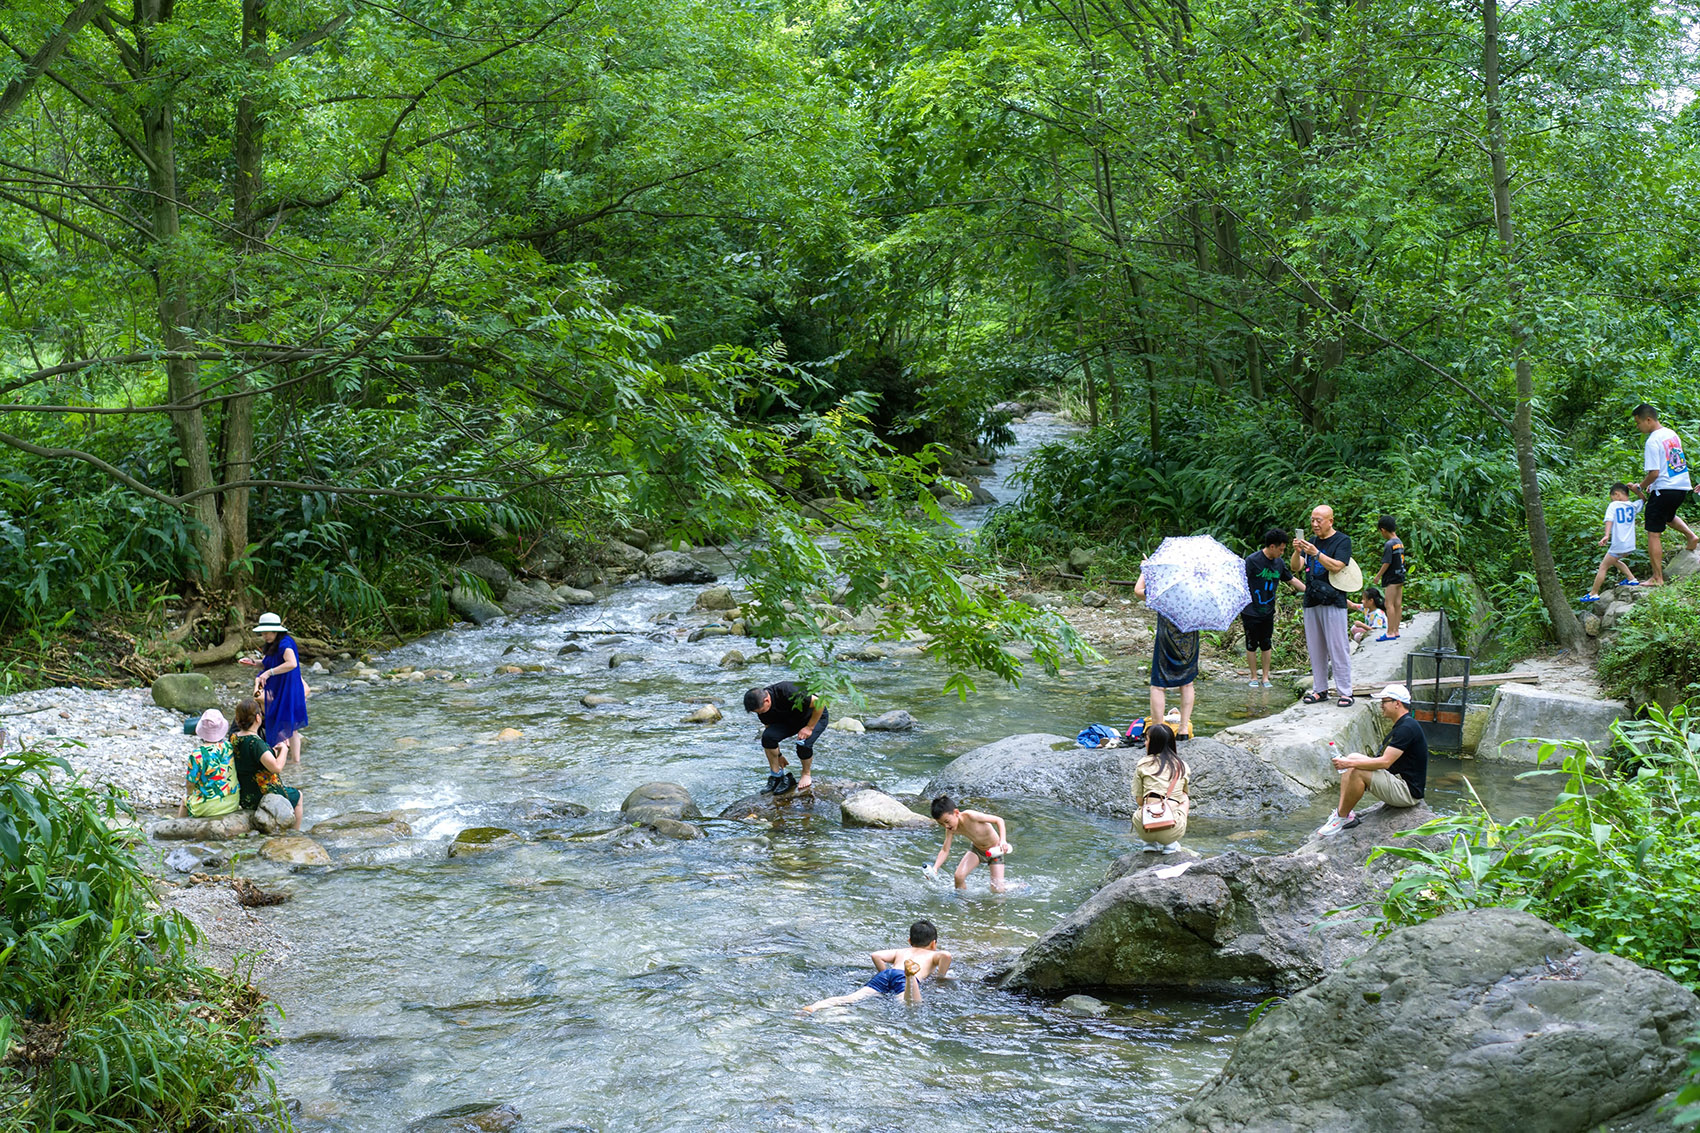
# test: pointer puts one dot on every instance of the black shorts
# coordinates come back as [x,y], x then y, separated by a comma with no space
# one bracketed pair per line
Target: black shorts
[1259,632]
[771,736]
[1661,508]
[1391,579]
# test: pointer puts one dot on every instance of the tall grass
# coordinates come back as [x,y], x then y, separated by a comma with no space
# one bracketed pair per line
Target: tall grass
[106,1019]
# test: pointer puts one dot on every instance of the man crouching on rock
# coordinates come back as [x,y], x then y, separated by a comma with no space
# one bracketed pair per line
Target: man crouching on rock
[787,709]
[1397,776]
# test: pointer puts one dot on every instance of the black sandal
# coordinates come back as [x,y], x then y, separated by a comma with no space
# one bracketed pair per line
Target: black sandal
[1346,701]
[1314,698]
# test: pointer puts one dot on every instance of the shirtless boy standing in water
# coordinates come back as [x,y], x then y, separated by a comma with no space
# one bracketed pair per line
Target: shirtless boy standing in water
[899,971]
[984,831]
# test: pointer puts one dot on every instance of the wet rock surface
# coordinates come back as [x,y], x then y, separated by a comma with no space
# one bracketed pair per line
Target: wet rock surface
[897,720]
[483,840]
[659,800]
[823,799]
[294,849]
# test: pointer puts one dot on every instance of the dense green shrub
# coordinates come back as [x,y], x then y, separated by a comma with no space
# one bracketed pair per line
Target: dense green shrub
[106,1020]
[1657,644]
[1615,862]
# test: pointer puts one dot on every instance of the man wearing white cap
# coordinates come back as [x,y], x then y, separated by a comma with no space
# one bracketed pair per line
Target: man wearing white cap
[1397,776]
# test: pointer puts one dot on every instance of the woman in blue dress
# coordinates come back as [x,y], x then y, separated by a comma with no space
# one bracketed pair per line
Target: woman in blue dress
[279,681]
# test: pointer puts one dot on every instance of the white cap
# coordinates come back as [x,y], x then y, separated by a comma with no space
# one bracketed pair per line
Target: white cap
[1396,692]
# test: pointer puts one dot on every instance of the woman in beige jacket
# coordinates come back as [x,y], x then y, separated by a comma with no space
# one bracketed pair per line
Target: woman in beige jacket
[1161,771]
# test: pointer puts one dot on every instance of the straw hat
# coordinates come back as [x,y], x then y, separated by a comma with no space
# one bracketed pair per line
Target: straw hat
[270,623]
[1349,579]
[213,726]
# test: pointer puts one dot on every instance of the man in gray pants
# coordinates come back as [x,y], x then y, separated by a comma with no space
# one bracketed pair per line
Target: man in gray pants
[1325,607]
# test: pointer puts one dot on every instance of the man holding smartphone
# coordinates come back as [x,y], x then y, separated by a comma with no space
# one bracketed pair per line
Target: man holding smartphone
[1325,607]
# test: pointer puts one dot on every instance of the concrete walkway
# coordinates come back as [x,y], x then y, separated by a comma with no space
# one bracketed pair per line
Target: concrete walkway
[1295,742]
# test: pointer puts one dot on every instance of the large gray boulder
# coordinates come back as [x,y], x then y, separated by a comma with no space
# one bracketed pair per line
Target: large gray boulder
[494,574]
[1235,923]
[530,597]
[675,567]
[897,720]
[473,606]
[1481,1020]
[1227,782]
[880,811]
[190,693]
[1522,712]
[659,800]
[622,555]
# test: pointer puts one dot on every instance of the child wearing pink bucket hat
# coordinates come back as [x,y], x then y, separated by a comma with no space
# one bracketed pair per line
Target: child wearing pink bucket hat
[210,787]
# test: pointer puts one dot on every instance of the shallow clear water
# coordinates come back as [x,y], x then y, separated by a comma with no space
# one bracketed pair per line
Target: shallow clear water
[593,983]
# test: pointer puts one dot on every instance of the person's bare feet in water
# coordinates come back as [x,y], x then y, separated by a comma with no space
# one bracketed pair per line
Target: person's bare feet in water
[805,783]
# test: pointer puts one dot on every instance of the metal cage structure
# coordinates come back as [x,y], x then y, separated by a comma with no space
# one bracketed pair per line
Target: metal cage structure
[1439,680]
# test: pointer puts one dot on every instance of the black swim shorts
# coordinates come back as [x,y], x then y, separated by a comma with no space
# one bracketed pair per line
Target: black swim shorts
[1259,632]
[1661,508]
[771,737]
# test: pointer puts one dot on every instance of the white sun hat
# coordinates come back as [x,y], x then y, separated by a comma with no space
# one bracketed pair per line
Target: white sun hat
[270,623]
[1396,692]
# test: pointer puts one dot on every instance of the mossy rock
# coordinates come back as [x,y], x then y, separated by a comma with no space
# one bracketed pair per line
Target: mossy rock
[483,840]
[186,692]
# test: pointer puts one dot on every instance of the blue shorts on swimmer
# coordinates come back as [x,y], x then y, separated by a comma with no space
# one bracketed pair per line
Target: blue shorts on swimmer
[888,982]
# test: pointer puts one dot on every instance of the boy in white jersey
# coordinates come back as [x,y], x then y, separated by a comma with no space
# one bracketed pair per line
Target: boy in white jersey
[1619,539]
[1666,486]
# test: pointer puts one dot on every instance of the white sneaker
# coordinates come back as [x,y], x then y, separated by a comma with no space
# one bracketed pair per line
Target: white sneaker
[1256,684]
[1153,848]
[1334,825]
[1172,848]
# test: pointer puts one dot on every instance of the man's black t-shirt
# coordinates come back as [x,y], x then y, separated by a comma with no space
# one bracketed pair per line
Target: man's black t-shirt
[1407,736]
[1318,592]
[790,708]
[1263,577]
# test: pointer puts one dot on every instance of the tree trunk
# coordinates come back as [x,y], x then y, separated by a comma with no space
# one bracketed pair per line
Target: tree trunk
[188,419]
[1564,622]
[249,145]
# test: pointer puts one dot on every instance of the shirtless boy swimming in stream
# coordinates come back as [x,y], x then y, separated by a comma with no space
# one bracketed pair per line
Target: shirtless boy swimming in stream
[899,971]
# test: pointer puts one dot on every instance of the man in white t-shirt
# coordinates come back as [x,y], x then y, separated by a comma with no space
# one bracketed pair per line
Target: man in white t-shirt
[1666,486]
